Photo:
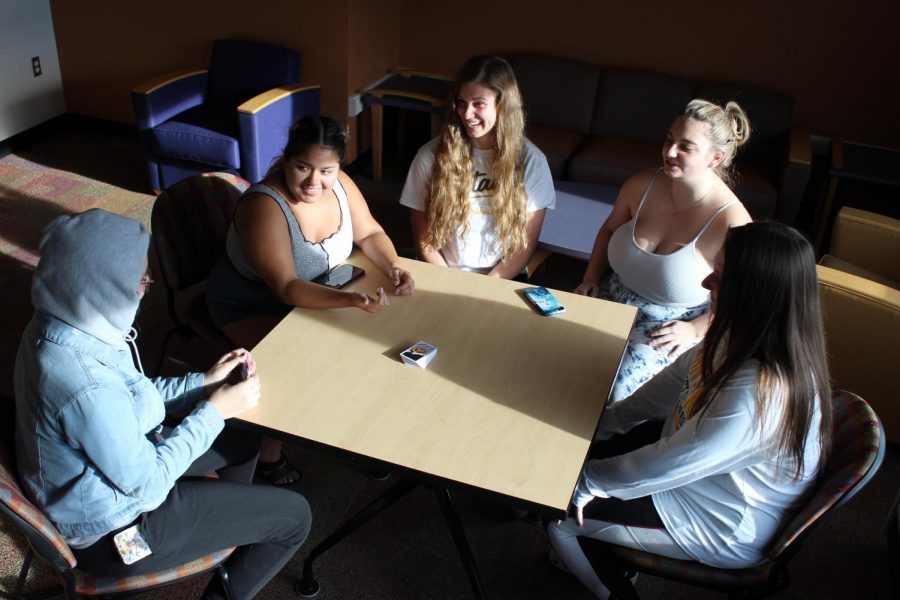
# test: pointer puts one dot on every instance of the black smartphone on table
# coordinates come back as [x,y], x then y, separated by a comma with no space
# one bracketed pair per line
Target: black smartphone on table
[340,276]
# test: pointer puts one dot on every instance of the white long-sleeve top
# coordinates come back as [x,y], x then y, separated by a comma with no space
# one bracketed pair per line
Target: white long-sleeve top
[716,484]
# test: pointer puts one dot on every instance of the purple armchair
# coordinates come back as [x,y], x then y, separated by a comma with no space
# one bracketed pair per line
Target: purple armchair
[233,117]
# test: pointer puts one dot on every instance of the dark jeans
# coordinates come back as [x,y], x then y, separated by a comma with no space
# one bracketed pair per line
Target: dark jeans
[202,515]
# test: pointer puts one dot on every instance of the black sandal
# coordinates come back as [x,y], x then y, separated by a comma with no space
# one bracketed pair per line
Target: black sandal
[279,472]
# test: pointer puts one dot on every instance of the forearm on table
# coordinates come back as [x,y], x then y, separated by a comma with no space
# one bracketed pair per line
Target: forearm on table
[380,250]
[306,294]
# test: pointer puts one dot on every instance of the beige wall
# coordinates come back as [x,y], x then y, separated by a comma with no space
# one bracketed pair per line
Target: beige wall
[837,61]
[26,30]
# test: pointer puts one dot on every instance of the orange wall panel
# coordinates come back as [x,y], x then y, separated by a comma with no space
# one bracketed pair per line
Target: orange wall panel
[835,59]
[107,47]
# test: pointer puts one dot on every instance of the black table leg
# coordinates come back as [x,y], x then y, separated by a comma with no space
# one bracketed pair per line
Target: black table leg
[462,544]
[308,586]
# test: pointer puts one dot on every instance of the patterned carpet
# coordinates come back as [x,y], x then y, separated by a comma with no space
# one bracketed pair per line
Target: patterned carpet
[407,552]
[32,193]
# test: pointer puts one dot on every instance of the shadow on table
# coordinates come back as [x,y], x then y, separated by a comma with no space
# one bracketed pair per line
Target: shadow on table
[506,355]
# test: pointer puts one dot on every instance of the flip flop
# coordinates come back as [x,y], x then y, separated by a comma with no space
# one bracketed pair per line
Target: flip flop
[279,472]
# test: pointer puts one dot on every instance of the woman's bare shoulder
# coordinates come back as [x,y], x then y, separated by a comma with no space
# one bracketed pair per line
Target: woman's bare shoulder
[633,188]
[641,179]
[347,183]
[257,209]
[736,213]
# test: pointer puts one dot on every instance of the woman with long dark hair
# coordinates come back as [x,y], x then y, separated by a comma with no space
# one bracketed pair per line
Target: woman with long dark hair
[479,190]
[747,422]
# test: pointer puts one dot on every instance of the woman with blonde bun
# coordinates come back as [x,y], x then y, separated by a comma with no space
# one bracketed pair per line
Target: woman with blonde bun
[479,190]
[662,236]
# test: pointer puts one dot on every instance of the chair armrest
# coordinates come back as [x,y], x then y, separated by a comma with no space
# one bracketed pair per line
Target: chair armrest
[795,171]
[868,240]
[265,121]
[861,321]
[158,100]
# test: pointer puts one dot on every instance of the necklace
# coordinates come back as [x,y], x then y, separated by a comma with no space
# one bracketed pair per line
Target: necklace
[694,203]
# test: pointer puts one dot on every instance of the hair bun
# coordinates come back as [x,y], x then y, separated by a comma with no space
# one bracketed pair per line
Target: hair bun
[740,123]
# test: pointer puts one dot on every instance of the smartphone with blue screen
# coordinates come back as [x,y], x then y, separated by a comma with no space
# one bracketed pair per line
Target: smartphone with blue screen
[544,301]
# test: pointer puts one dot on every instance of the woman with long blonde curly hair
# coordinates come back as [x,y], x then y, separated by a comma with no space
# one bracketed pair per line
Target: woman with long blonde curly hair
[478,191]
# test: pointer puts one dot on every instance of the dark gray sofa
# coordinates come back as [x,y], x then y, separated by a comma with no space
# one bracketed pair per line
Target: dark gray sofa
[600,125]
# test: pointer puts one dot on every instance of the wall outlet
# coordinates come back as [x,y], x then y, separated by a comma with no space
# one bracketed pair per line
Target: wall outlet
[36,65]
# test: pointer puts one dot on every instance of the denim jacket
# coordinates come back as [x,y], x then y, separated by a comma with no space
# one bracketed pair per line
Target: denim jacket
[82,419]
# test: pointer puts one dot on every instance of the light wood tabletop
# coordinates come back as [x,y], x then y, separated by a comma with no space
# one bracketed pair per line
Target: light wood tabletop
[509,404]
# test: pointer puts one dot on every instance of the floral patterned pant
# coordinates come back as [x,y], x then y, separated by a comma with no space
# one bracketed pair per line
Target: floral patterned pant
[641,361]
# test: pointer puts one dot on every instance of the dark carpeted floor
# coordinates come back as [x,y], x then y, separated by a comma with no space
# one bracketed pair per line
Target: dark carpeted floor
[407,552]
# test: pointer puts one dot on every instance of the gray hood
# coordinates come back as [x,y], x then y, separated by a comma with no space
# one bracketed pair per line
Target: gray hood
[88,275]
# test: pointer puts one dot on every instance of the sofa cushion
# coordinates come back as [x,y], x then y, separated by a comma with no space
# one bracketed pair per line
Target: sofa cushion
[610,160]
[556,144]
[639,104]
[557,92]
[206,135]
[770,122]
[756,192]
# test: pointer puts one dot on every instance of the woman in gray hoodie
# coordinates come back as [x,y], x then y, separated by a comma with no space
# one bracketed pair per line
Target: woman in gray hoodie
[92,451]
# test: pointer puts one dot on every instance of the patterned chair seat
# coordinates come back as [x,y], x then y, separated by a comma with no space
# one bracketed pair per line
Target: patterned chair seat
[48,544]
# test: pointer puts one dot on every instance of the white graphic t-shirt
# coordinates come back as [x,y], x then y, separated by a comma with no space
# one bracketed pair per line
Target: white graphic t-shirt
[479,249]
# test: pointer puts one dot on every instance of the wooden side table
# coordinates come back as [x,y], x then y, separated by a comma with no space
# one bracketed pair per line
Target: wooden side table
[411,90]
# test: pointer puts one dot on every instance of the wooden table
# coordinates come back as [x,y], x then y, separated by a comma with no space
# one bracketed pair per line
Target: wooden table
[509,405]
